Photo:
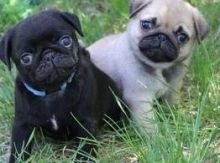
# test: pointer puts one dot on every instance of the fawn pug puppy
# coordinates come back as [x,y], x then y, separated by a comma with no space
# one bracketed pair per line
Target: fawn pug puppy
[56,82]
[149,60]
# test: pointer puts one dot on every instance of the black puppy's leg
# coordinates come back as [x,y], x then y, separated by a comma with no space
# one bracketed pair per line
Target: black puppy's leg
[20,135]
[89,130]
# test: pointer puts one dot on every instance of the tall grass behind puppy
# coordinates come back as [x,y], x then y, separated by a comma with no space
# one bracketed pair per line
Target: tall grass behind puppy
[56,86]
[149,60]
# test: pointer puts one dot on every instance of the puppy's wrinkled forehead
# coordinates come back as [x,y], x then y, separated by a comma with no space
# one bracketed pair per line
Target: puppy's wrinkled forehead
[169,13]
[40,28]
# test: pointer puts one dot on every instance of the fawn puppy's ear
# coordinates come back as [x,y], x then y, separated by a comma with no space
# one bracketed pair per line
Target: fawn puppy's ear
[136,5]
[200,24]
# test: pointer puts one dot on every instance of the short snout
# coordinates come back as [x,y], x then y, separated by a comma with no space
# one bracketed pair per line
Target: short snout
[158,48]
[55,65]
[58,59]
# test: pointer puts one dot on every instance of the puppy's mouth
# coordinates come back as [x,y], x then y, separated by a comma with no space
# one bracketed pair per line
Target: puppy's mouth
[158,48]
[55,68]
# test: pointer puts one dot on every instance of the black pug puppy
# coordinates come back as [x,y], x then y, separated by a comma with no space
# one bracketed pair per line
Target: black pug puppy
[57,87]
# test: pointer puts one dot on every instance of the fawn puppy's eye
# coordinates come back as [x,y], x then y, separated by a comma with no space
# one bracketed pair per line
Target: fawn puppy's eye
[149,24]
[26,58]
[182,38]
[66,41]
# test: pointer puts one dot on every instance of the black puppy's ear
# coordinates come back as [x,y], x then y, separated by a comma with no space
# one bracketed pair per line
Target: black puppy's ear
[73,20]
[6,48]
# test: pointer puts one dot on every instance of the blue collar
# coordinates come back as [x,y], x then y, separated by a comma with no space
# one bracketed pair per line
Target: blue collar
[43,93]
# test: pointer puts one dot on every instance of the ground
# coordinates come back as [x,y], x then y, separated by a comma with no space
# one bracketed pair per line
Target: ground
[188,133]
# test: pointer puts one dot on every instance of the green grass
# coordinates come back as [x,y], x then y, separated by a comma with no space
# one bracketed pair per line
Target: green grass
[188,133]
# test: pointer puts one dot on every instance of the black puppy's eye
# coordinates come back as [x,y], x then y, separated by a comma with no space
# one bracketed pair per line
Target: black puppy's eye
[182,38]
[66,41]
[26,59]
[148,24]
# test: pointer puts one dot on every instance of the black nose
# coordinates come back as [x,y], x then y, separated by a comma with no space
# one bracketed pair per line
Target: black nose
[48,55]
[158,48]
[162,37]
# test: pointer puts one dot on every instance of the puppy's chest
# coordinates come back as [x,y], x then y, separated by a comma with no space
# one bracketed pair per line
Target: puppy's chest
[161,84]
[53,112]
[154,83]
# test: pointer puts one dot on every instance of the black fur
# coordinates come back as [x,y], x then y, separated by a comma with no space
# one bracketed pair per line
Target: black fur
[87,97]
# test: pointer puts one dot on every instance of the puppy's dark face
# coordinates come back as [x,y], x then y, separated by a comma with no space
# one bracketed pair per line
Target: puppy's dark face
[44,48]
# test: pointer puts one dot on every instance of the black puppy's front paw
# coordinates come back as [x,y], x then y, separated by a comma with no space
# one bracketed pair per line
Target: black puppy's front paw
[84,159]
[86,154]
[20,141]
